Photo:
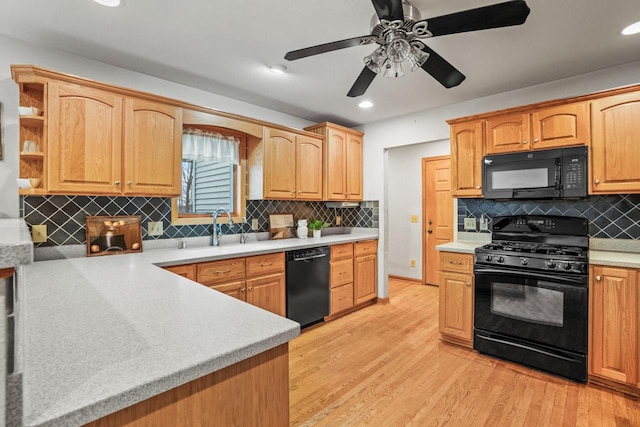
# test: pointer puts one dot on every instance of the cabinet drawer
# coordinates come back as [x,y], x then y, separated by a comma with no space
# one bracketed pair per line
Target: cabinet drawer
[211,273]
[260,265]
[365,248]
[342,251]
[341,272]
[341,298]
[456,263]
[185,270]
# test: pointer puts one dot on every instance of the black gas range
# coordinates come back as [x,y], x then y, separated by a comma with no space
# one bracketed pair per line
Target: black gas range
[531,293]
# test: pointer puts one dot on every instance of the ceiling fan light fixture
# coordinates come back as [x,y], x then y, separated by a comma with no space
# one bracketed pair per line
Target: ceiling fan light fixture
[392,69]
[398,49]
[417,57]
[375,61]
[365,104]
[631,29]
[277,68]
[109,3]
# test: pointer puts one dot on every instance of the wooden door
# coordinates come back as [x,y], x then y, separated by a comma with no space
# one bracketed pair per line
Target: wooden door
[364,278]
[467,143]
[152,148]
[507,133]
[235,289]
[85,140]
[335,165]
[437,213]
[268,292]
[354,167]
[614,324]
[615,144]
[561,126]
[279,164]
[456,310]
[308,168]
[185,270]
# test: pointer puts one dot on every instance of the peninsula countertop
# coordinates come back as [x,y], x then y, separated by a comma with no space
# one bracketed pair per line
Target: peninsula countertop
[102,333]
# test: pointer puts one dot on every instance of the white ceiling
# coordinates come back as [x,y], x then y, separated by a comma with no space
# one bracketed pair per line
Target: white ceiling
[223,46]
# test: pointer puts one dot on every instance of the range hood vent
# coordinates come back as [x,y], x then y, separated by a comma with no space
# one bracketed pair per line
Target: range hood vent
[343,204]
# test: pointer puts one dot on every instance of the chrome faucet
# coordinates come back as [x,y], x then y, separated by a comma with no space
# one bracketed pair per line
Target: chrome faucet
[215,239]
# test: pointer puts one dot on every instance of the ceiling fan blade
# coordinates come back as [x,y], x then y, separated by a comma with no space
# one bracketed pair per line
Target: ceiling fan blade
[441,70]
[391,10]
[483,18]
[362,83]
[328,47]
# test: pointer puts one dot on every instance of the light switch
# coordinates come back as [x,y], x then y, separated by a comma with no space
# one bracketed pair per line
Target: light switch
[39,233]
[254,224]
[413,263]
[414,218]
[154,228]
[469,223]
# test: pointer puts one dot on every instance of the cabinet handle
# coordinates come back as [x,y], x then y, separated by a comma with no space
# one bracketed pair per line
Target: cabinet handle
[429,231]
[250,288]
[535,140]
[129,182]
[596,181]
[117,183]
[242,290]
[468,284]
[223,271]
[525,142]
[265,264]
[478,187]
[598,278]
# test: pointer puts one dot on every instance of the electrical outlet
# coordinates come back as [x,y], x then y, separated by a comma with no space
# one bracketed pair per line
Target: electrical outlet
[338,220]
[413,263]
[469,223]
[414,218]
[254,224]
[484,224]
[154,228]
[39,233]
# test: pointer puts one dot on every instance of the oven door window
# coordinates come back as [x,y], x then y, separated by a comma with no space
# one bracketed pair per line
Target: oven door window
[528,303]
[532,308]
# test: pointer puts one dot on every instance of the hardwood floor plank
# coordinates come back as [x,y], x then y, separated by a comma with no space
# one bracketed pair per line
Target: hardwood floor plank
[385,365]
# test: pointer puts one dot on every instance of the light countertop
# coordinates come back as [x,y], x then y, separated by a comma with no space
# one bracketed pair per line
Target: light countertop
[15,243]
[103,333]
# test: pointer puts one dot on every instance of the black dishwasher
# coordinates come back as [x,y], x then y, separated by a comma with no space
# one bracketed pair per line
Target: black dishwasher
[308,285]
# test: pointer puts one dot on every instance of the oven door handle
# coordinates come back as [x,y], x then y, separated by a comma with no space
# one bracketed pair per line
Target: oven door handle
[568,280]
[526,347]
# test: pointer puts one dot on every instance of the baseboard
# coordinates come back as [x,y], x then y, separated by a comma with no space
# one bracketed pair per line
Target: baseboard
[610,384]
[383,301]
[406,279]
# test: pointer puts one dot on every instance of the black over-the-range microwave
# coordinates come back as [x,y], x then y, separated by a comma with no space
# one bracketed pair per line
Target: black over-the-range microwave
[543,174]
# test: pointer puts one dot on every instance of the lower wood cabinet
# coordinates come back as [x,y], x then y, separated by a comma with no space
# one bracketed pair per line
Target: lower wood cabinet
[353,275]
[614,348]
[258,280]
[456,298]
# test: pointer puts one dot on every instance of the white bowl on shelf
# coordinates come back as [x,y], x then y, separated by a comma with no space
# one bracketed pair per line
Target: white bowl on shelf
[24,182]
[25,111]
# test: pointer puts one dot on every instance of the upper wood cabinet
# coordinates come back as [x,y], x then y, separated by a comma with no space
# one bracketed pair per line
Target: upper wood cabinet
[615,144]
[614,352]
[548,127]
[467,142]
[285,165]
[99,140]
[342,161]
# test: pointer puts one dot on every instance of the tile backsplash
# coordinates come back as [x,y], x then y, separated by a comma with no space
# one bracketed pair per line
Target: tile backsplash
[65,215]
[614,216]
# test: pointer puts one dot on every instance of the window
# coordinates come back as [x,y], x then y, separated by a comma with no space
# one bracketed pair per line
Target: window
[210,184]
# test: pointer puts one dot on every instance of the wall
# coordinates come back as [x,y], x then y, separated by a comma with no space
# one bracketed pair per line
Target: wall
[430,125]
[17,52]
[404,189]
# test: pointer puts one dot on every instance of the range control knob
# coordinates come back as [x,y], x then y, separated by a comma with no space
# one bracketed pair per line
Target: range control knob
[566,266]
[488,258]
[524,261]
[500,259]
[550,264]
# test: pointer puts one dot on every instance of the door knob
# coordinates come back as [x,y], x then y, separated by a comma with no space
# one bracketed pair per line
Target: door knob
[430,222]
[429,231]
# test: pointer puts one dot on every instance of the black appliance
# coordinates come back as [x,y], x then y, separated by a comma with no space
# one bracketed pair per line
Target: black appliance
[542,174]
[308,285]
[531,293]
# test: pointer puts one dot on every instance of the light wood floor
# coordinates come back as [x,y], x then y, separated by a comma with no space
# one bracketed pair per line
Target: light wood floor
[385,366]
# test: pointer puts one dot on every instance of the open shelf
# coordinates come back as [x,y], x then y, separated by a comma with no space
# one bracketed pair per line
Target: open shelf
[32,121]
[32,156]
[32,191]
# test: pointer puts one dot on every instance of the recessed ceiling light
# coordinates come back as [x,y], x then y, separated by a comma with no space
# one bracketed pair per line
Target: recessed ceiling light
[277,68]
[365,104]
[632,29]
[108,3]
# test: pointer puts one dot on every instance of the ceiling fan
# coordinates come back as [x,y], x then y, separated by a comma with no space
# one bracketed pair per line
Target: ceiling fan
[398,28]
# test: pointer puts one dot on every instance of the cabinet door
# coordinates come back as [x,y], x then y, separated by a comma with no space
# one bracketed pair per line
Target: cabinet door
[185,270]
[353,170]
[335,165]
[615,144]
[85,140]
[308,168]
[456,305]
[561,126]
[268,292]
[467,141]
[507,133]
[364,279]
[153,148]
[233,289]
[614,324]
[279,164]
